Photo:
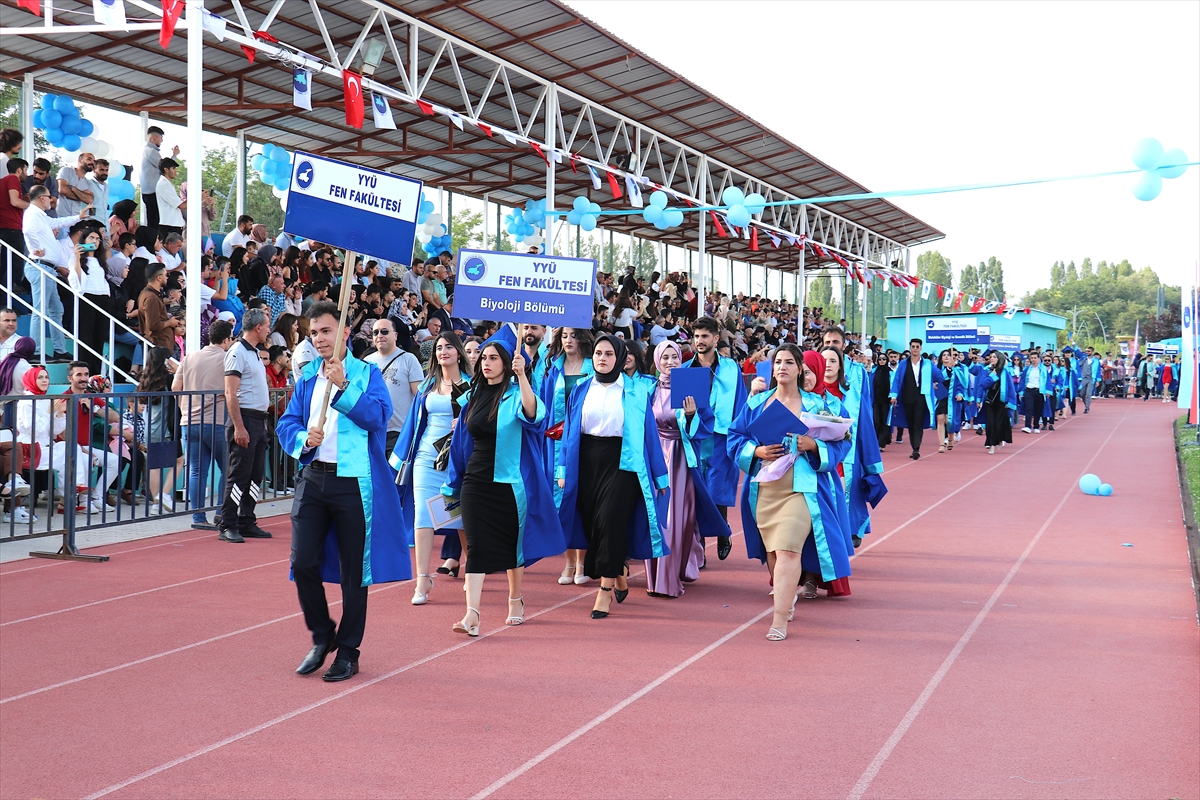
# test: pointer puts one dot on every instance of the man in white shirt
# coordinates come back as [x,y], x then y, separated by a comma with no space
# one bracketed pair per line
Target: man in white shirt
[170,205]
[100,193]
[148,175]
[172,247]
[238,236]
[8,332]
[45,250]
[75,189]
[401,373]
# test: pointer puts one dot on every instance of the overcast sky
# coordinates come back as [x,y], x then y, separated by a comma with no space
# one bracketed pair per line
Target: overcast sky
[935,94]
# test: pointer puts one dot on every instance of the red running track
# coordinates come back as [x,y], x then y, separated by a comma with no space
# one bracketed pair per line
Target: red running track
[1000,642]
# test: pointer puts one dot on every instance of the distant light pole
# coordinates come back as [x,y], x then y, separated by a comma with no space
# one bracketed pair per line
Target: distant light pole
[1102,331]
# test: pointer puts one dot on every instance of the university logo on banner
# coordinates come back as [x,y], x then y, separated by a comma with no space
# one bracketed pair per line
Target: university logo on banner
[381,113]
[302,88]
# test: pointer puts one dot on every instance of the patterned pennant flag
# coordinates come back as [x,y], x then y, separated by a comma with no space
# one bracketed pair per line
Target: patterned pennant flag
[817,249]
[487,129]
[382,113]
[926,288]
[32,6]
[109,12]
[595,176]
[839,259]
[427,108]
[456,119]
[1012,312]
[214,24]
[947,299]
[774,239]
[635,191]
[717,224]
[990,306]
[1001,308]
[753,238]
[302,88]
[353,97]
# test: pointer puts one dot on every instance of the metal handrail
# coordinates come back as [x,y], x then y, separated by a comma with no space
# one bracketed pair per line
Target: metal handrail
[43,320]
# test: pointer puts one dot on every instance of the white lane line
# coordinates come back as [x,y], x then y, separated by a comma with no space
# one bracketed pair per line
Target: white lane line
[144,591]
[179,649]
[114,553]
[311,706]
[864,782]
[633,698]
[876,542]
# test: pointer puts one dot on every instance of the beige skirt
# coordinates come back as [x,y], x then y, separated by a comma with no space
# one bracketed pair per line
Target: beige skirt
[782,515]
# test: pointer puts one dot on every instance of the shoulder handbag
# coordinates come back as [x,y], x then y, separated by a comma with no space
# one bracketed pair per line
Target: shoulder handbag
[442,445]
[31,455]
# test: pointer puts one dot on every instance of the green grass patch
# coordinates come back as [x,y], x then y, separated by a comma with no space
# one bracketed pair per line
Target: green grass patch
[1189,454]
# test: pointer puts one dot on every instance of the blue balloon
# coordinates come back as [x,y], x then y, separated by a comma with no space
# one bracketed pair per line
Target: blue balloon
[72,125]
[581,204]
[1148,186]
[283,182]
[1089,483]
[1148,153]
[256,163]
[659,198]
[48,101]
[1105,490]
[574,216]
[661,224]
[673,217]
[280,155]
[86,127]
[270,167]
[64,104]
[267,179]
[1172,162]
[268,149]
[739,216]
[733,196]
[755,203]
[51,119]
[54,136]
[71,142]
[37,119]
[511,228]
[593,208]
[588,223]
[427,206]
[652,214]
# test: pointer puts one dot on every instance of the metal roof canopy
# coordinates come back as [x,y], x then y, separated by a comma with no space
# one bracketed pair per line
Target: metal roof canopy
[533,69]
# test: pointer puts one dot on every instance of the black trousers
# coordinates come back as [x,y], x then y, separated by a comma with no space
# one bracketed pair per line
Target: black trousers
[606,504]
[1033,408]
[321,498]
[150,203]
[916,423]
[92,329]
[243,487]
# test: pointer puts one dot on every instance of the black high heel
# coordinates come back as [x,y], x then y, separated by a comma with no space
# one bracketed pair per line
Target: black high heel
[597,614]
[621,594]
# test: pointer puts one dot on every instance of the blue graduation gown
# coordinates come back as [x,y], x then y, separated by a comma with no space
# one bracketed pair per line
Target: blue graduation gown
[863,464]
[518,464]
[814,475]
[553,392]
[709,521]
[898,418]
[960,409]
[727,397]
[641,454]
[364,408]
[1007,393]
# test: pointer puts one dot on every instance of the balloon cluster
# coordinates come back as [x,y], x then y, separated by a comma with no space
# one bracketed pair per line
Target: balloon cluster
[1090,484]
[742,206]
[658,215]
[526,226]
[1155,163]
[583,213]
[274,166]
[433,235]
[59,118]
[119,186]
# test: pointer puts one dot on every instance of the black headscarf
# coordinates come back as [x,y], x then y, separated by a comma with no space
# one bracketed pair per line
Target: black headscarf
[618,346]
[124,210]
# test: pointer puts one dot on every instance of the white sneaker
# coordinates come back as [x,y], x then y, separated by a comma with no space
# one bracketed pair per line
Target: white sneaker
[18,484]
[18,514]
[168,503]
[1037,430]
[1026,430]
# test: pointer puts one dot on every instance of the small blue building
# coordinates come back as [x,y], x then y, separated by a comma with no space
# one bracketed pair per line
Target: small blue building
[985,331]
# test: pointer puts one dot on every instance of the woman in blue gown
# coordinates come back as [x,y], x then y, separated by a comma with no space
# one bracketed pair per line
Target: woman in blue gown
[496,473]
[430,419]
[612,473]
[997,400]
[793,505]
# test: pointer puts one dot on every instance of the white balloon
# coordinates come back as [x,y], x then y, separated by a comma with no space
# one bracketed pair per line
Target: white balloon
[283,201]
[278,193]
[434,220]
[88,145]
[103,150]
[423,238]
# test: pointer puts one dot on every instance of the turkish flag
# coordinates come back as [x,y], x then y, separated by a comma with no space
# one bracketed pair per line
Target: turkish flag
[32,6]
[614,186]
[171,11]
[352,92]
[753,238]
[941,292]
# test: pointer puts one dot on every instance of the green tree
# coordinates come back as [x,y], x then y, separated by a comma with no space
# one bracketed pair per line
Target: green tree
[991,278]
[219,175]
[1070,274]
[820,293]
[1058,275]
[10,117]
[1085,268]
[933,266]
[968,280]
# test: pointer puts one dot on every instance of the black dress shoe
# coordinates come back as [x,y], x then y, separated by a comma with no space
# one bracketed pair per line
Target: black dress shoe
[341,669]
[724,545]
[314,660]
[255,532]
[915,455]
[620,594]
[230,536]
[857,541]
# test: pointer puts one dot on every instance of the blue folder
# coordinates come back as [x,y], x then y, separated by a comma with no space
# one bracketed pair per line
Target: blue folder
[763,370]
[774,423]
[690,382]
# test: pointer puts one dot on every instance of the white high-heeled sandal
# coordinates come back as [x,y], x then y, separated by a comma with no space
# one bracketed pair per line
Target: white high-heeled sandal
[567,577]
[776,634]
[580,577]
[473,630]
[419,599]
[516,619]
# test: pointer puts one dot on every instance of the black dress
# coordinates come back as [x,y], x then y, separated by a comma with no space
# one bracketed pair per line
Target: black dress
[882,379]
[489,509]
[998,428]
